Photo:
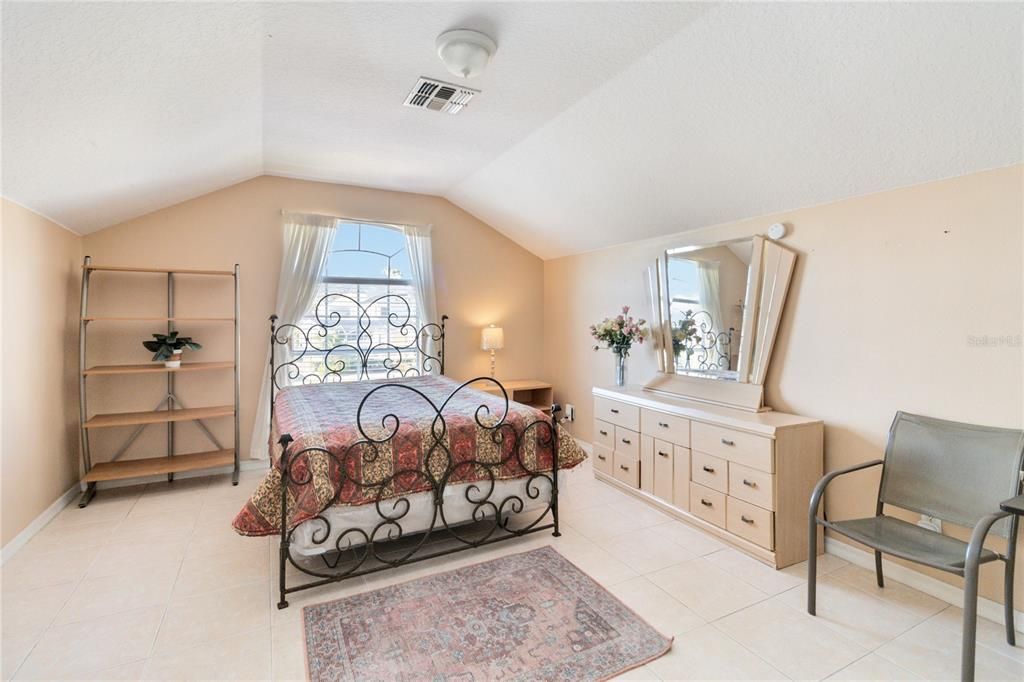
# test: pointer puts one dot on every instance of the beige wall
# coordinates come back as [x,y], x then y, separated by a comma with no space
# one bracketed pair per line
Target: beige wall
[888,291]
[481,277]
[39,448]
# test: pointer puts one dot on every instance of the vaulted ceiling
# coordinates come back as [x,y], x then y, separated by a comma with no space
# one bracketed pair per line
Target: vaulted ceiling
[598,123]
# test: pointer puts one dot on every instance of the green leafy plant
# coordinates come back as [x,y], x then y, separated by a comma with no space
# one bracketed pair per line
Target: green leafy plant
[166,344]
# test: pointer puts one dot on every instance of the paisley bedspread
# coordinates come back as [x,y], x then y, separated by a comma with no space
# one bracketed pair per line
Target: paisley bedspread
[366,464]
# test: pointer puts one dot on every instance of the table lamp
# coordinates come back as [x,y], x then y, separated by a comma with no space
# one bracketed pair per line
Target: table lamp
[493,338]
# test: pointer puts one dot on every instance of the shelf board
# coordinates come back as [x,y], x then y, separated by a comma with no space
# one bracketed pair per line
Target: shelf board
[156,367]
[158,417]
[93,318]
[164,271]
[152,466]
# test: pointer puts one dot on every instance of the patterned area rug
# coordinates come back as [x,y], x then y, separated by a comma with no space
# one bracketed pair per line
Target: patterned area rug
[530,616]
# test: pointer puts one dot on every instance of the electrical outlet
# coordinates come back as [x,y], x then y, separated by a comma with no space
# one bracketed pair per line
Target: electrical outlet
[570,412]
[931,523]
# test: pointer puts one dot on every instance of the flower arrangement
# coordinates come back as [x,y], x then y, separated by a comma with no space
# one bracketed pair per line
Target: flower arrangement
[684,334]
[620,333]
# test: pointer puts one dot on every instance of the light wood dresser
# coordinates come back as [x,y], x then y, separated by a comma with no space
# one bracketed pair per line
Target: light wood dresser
[746,477]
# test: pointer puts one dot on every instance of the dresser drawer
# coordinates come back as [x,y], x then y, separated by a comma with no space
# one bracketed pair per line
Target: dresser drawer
[627,469]
[750,522]
[709,471]
[707,504]
[603,459]
[681,478]
[621,414]
[604,433]
[735,446]
[751,485]
[627,442]
[664,462]
[668,427]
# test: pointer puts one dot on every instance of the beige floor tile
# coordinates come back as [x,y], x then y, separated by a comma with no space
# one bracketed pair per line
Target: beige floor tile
[792,642]
[707,654]
[604,521]
[655,606]
[131,589]
[112,505]
[129,671]
[597,563]
[30,568]
[645,550]
[13,650]
[82,648]
[243,656]
[119,557]
[27,613]
[641,674]
[160,526]
[905,597]
[218,538]
[853,614]
[753,572]
[706,589]
[288,651]
[989,633]
[318,595]
[827,563]
[70,537]
[932,650]
[239,566]
[191,621]
[873,667]
[686,536]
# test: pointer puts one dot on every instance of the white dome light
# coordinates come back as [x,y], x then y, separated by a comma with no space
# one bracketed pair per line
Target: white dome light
[465,53]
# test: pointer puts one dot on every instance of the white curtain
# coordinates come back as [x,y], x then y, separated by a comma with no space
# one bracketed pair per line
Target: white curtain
[417,239]
[709,292]
[307,246]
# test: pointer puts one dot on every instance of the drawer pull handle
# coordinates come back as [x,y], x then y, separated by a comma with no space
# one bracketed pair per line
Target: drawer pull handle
[613,410]
[624,467]
[602,457]
[749,484]
[663,454]
[627,441]
[663,425]
[726,441]
[708,469]
[746,519]
[706,503]
[603,432]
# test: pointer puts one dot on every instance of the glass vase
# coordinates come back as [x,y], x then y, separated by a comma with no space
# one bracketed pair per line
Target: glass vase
[620,354]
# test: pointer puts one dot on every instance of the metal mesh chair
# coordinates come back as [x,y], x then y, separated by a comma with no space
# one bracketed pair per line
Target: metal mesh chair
[955,472]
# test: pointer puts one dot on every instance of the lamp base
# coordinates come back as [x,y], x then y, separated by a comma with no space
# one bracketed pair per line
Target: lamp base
[492,364]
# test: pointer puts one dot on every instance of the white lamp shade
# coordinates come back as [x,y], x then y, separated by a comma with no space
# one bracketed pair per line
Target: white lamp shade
[493,338]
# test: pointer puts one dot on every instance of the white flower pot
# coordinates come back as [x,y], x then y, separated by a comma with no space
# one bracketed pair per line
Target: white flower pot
[174,362]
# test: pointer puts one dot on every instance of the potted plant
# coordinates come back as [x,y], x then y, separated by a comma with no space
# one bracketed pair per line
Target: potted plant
[168,348]
[619,333]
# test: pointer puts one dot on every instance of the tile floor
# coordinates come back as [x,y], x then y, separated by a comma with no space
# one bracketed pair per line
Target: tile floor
[152,583]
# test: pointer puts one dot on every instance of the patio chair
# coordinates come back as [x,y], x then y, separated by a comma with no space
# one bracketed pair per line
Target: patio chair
[956,472]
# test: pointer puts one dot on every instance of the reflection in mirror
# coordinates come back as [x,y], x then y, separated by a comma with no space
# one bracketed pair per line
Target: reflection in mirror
[706,289]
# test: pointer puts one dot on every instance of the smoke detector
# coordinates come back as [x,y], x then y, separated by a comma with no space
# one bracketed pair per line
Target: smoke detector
[465,53]
[429,93]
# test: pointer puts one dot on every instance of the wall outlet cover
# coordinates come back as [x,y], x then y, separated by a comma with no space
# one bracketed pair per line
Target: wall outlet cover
[570,412]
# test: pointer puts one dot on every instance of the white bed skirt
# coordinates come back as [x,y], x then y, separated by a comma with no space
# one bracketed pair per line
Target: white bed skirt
[457,510]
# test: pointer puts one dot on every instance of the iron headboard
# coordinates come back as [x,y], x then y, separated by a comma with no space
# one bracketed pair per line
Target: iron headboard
[332,344]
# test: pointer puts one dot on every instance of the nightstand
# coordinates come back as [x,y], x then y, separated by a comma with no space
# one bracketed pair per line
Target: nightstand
[536,394]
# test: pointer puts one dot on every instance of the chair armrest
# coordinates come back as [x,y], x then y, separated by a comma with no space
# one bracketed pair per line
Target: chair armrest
[981,529]
[819,489]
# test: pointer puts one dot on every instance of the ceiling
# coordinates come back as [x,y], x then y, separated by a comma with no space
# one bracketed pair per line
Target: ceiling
[598,124]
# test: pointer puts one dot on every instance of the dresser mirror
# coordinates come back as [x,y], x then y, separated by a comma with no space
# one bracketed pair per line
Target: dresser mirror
[715,312]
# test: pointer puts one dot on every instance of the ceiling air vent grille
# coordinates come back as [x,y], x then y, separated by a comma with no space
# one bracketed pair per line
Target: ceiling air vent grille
[439,96]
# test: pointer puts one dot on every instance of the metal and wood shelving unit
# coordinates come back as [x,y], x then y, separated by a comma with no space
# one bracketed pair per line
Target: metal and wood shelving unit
[169,410]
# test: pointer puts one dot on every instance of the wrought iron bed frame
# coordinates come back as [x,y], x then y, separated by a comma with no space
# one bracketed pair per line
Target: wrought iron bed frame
[363,549]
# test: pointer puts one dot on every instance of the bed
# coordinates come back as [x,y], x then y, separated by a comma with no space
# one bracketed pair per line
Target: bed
[377,462]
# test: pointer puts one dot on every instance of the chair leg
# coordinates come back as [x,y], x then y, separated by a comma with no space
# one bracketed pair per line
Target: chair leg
[878,569]
[1011,636]
[970,627]
[812,566]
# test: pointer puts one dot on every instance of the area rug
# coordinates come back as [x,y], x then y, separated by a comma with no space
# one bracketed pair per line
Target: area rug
[529,616]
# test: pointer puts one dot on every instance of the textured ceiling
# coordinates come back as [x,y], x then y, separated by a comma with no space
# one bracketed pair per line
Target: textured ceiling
[598,123]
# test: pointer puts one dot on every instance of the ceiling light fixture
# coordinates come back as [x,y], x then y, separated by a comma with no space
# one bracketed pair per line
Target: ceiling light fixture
[464,52]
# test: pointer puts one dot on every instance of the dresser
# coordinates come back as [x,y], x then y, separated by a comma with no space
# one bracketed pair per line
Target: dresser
[745,477]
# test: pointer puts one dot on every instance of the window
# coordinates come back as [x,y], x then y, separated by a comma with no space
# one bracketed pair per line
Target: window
[369,296]
[682,282]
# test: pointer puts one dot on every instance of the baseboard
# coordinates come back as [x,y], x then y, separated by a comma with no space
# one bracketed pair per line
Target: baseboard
[38,523]
[919,581]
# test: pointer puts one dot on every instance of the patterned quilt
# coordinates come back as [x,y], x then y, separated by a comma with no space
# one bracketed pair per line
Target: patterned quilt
[363,470]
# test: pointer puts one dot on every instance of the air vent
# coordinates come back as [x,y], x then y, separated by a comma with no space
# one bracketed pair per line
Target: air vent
[439,96]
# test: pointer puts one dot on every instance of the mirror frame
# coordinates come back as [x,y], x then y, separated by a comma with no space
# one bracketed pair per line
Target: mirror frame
[768,277]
